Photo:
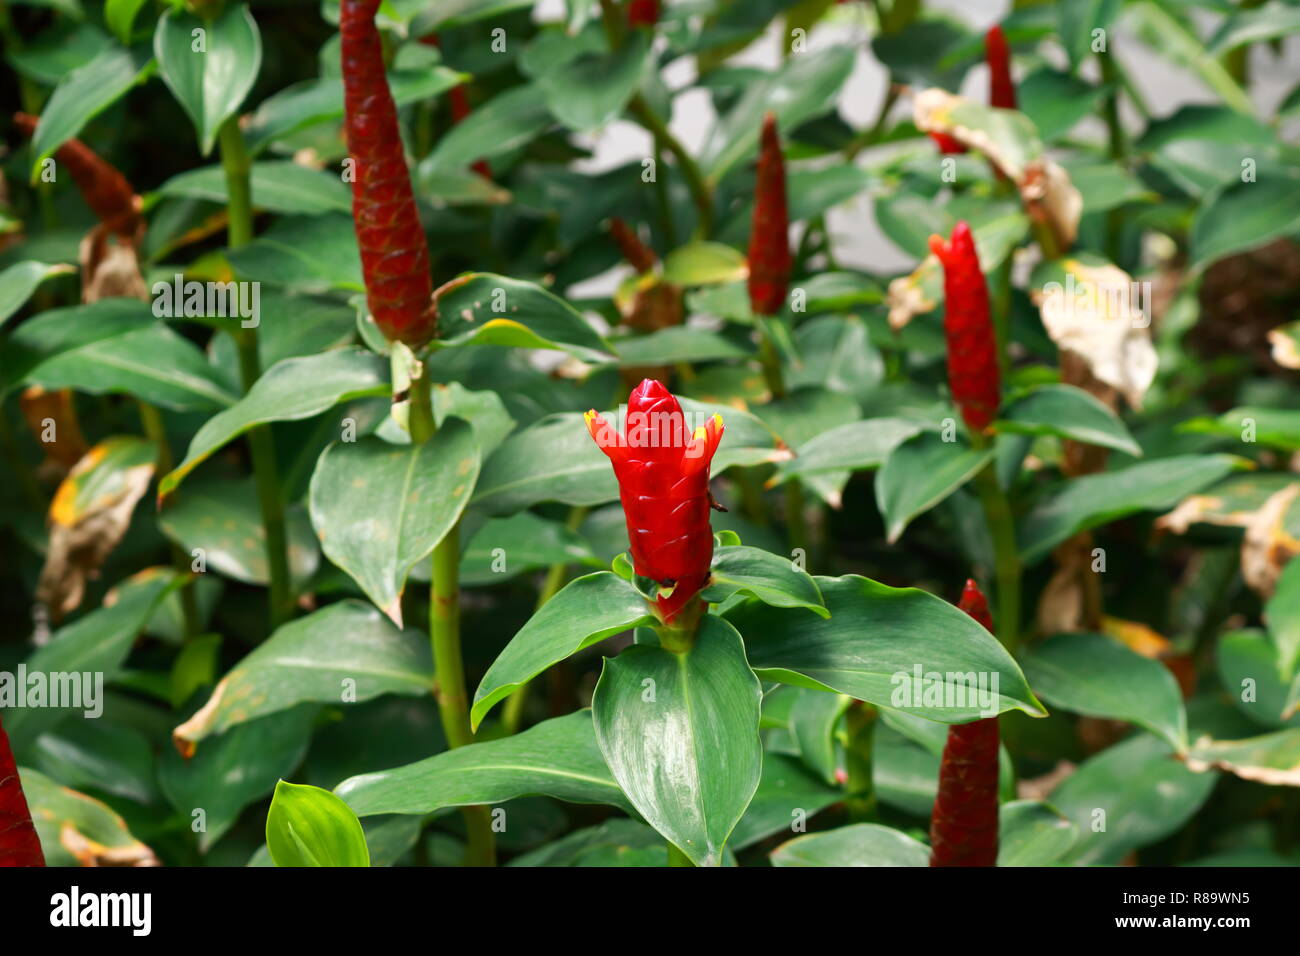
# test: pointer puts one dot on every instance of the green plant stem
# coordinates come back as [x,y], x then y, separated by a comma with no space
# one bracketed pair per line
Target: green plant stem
[151,421]
[444,636]
[1006,556]
[239,225]
[676,857]
[860,727]
[699,188]
[1115,128]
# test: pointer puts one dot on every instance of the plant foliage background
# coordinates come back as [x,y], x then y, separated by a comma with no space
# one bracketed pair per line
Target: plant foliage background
[159,460]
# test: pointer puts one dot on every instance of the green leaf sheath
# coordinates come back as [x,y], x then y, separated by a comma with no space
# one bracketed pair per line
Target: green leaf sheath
[394,251]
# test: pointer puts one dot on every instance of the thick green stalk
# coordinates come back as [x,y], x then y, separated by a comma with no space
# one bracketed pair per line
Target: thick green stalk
[1006,556]
[860,727]
[239,225]
[151,420]
[699,188]
[444,636]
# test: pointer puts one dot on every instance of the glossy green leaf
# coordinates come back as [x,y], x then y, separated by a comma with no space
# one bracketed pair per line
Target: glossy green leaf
[504,123]
[588,90]
[223,519]
[1094,675]
[704,263]
[1056,102]
[278,186]
[82,95]
[862,844]
[788,796]
[771,578]
[504,548]
[1031,833]
[1282,613]
[1251,673]
[558,758]
[1247,214]
[119,15]
[294,389]
[835,352]
[78,830]
[584,612]
[921,472]
[308,826]
[480,308]
[813,720]
[20,280]
[855,446]
[378,509]
[233,769]
[551,460]
[1067,412]
[678,343]
[679,732]
[342,654]
[896,647]
[1094,500]
[303,254]
[616,842]
[209,82]
[48,335]
[1128,796]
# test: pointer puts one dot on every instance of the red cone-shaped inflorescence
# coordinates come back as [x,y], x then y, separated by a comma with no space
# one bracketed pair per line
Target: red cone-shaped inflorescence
[640,256]
[972,345]
[1002,91]
[394,253]
[642,13]
[769,238]
[663,480]
[964,823]
[105,190]
[19,844]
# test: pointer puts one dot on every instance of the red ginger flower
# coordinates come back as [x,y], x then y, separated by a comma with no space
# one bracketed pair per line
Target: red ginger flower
[972,346]
[964,824]
[663,480]
[19,844]
[769,238]
[394,253]
[1002,90]
[642,13]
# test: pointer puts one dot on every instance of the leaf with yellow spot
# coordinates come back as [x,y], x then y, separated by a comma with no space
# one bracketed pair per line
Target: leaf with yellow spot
[77,830]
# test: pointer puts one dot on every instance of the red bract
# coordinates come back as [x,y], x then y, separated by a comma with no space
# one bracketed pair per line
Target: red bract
[948,144]
[19,844]
[643,13]
[663,480]
[640,256]
[964,824]
[394,253]
[105,190]
[1002,91]
[972,345]
[769,237]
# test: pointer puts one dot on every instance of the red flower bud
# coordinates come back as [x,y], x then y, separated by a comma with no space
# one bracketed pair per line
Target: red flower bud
[972,346]
[769,238]
[19,844]
[105,190]
[643,13]
[964,824]
[1002,90]
[948,144]
[639,256]
[394,252]
[663,480]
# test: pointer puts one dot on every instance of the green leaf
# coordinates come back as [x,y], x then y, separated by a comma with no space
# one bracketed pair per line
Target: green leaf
[503,124]
[1245,215]
[342,654]
[551,460]
[82,95]
[119,15]
[379,509]
[616,842]
[153,364]
[1094,500]
[921,472]
[1272,759]
[232,770]
[556,758]
[804,87]
[704,263]
[209,82]
[1056,102]
[813,720]
[1251,674]
[78,830]
[280,186]
[855,446]
[303,254]
[1096,676]
[1075,22]
[1282,613]
[835,352]
[20,280]
[588,90]
[480,308]
[758,573]
[677,343]
[788,794]
[224,519]
[1144,793]
[506,547]
[584,612]
[679,732]
[1275,427]
[874,644]
[1031,833]
[308,826]
[291,390]
[1067,412]
[96,643]
[862,844]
